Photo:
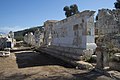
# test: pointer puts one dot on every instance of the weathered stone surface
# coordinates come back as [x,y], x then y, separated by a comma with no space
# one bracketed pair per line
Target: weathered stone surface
[84,65]
[116,56]
[74,35]
[35,39]
[115,65]
[99,60]
[108,22]
[76,31]
[48,27]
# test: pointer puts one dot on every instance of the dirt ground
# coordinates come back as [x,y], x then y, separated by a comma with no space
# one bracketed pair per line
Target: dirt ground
[30,65]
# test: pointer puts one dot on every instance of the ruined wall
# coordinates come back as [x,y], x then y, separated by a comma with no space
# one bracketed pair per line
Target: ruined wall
[38,38]
[35,39]
[108,21]
[71,37]
[108,25]
[31,39]
[76,31]
[25,38]
[7,42]
[48,26]
[3,41]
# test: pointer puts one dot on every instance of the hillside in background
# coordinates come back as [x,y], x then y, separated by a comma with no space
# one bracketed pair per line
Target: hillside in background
[2,33]
[19,35]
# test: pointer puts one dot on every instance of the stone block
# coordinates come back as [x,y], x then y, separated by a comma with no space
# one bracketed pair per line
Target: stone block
[84,65]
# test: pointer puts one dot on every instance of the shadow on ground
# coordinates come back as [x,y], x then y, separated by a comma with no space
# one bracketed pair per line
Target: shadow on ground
[92,75]
[31,59]
[17,76]
[20,76]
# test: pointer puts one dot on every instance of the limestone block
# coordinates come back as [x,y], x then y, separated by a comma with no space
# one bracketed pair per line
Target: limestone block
[117,56]
[84,65]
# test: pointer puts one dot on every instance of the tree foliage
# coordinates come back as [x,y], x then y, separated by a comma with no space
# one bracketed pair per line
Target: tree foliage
[69,11]
[117,4]
[74,9]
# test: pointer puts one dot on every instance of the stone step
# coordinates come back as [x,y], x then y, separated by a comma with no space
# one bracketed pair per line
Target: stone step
[65,54]
[76,63]
[55,55]
[74,51]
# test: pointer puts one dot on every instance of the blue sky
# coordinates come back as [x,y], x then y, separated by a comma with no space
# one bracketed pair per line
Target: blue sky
[21,14]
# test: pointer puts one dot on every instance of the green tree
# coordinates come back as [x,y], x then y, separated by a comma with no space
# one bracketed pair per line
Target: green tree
[69,11]
[117,4]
